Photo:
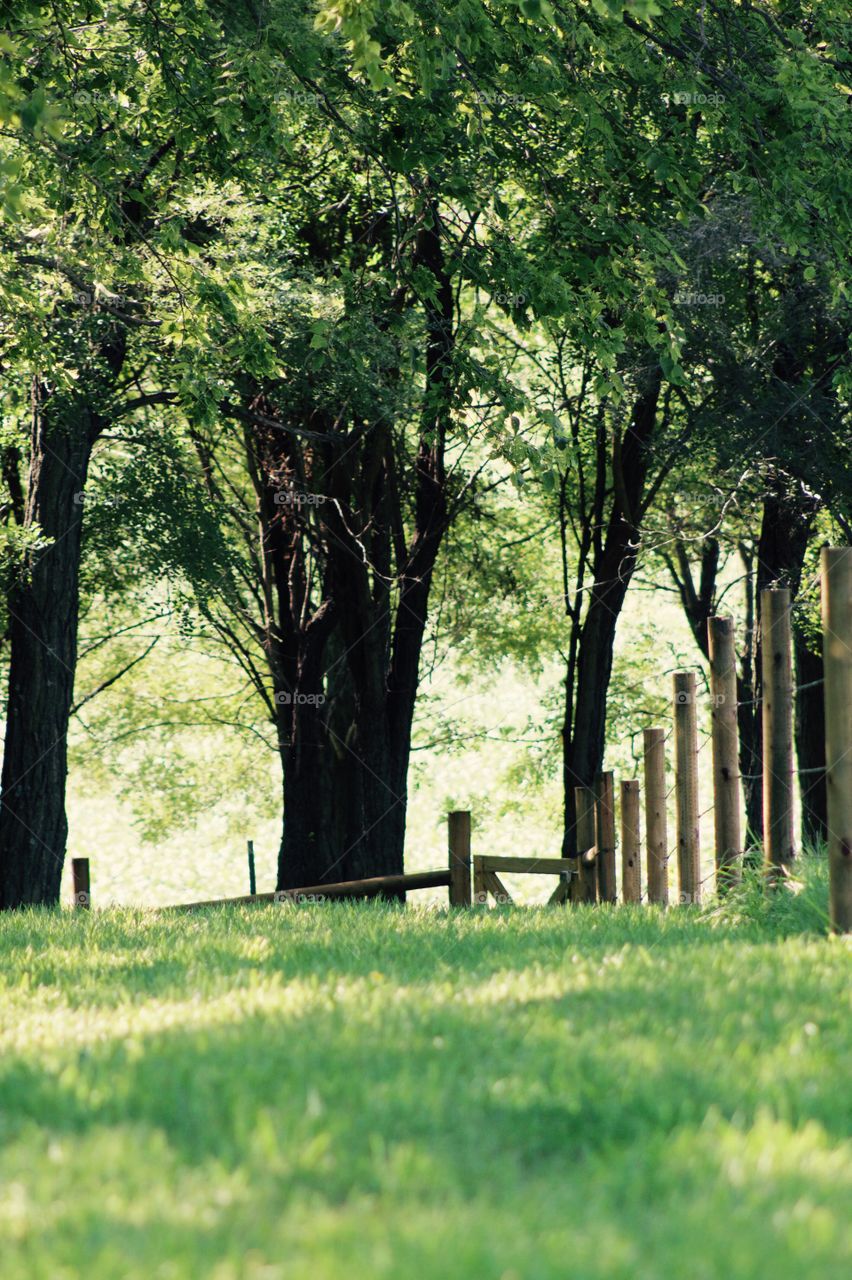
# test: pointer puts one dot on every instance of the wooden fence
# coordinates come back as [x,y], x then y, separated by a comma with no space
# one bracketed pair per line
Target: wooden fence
[590,876]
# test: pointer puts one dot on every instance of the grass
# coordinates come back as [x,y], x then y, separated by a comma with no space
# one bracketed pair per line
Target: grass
[361,1091]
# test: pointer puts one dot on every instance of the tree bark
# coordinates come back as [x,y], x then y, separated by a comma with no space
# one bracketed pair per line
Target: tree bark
[43,613]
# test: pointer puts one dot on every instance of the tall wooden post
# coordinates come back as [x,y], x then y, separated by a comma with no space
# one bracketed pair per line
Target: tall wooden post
[458,840]
[726,750]
[656,826]
[584,886]
[686,787]
[252,877]
[631,857]
[82,887]
[837,659]
[605,837]
[777,671]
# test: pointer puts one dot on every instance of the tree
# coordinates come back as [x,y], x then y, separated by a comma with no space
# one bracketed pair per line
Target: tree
[94,224]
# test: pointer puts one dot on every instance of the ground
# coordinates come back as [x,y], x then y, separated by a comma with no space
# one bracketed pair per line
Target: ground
[359,1091]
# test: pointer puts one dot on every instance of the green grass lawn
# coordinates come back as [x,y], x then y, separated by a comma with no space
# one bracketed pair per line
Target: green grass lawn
[364,1091]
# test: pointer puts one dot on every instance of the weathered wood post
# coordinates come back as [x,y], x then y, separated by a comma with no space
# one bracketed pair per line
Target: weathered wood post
[82,888]
[656,825]
[777,672]
[252,879]
[458,842]
[631,857]
[726,750]
[605,837]
[837,658]
[686,787]
[584,885]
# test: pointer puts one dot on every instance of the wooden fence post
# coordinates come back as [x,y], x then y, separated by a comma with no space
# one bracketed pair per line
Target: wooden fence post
[82,888]
[686,786]
[605,837]
[458,841]
[252,879]
[837,658]
[726,750]
[656,825]
[584,885]
[777,672]
[631,857]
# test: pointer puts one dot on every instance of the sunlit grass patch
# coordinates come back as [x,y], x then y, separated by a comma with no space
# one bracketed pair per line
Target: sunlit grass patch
[358,1090]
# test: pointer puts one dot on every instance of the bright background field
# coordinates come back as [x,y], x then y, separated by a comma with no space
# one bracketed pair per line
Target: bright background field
[363,1091]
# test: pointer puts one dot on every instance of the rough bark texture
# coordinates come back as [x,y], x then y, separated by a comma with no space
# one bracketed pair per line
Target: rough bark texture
[43,608]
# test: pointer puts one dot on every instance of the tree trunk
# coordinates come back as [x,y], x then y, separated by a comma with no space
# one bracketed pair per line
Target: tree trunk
[584,729]
[43,608]
[346,761]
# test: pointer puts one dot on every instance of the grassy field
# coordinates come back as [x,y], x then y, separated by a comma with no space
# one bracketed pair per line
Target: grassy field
[364,1091]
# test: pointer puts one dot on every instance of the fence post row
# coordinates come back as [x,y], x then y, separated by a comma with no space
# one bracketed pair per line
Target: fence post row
[726,750]
[631,858]
[777,674]
[836,567]
[656,822]
[686,786]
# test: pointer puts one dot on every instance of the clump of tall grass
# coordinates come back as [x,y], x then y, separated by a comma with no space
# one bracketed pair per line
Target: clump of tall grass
[797,906]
